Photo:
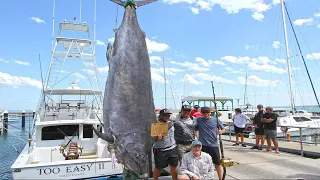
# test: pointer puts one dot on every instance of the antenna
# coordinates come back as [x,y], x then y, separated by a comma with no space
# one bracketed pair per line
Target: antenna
[94,27]
[42,80]
[53,11]
[165,82]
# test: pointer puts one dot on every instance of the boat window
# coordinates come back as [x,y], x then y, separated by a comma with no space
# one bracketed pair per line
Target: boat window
[53,133]
[301,119]
[87,131]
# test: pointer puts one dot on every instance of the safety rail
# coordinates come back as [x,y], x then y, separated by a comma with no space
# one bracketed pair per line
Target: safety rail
[300,141]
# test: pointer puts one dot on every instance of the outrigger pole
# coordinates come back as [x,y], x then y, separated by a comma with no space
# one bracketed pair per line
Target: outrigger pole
[220,140]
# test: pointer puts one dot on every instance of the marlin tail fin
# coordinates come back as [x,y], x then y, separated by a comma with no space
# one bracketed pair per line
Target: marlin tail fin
[137,3]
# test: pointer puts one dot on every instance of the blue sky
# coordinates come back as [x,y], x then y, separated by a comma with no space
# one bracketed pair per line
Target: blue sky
[201,40]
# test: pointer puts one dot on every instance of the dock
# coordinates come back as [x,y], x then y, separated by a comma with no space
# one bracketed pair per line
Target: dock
[256,164]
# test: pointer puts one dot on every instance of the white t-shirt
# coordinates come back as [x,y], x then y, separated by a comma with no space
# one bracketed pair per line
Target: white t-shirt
[240,120]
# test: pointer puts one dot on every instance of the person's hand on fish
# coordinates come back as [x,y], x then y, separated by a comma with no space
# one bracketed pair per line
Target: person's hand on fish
[195,177]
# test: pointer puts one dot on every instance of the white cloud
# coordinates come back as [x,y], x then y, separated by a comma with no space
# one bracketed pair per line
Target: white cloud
[154,46]
[262,60]
[315,56]
[22,63]
[301,22]
[208,77]
[246,46]
[14,81]
[318,26]
[191,79]
[154,59]
[217,62]
[195,93]
[275,2]
[156,77]
[257,16]
[38,20]
[254,80]
[169,71]
[236,60]
[191,66]
[257,7]
[103,70]
[296,68]
[155,37]
[202,61]
[276,44]
[266,68]
[111,39]
[317,14]
[3,60]
[232,71]
[194,10]
[100,43]
[283,61]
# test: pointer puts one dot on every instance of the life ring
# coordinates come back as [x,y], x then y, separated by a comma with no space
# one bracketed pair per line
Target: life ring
[284,128]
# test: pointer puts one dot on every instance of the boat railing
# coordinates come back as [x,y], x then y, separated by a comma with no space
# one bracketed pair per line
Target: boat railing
[284,129]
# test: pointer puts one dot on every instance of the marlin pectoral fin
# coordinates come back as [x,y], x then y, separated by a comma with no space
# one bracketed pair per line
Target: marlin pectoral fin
[121,3]
[109,52]
[144,2]
[107,137]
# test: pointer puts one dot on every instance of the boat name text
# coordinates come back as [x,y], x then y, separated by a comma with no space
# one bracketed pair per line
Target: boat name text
[68,169]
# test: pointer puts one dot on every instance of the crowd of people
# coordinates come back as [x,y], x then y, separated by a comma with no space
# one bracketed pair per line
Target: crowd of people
[192,143]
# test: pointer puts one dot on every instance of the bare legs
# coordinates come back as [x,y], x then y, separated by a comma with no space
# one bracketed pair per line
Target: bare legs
[173,172]
[219,171]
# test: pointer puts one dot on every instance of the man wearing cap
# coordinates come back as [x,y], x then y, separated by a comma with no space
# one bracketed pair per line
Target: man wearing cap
[195,112]
[196,164]
[164,149]
[208,130]
[258,128]
[184,117]
[269,120]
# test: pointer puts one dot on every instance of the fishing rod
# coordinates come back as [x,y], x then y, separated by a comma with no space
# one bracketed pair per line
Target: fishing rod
[225,162]
[220,140]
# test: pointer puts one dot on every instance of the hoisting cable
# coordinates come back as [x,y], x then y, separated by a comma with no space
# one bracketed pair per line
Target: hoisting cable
[304,62]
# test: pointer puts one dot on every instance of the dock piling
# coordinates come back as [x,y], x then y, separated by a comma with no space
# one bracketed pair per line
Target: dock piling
[34,112]
[5,121]
[23,119]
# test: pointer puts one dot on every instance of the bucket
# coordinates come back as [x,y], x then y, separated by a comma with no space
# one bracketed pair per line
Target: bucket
[288,137]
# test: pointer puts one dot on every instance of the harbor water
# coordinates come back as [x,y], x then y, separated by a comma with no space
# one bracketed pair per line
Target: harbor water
[11,145]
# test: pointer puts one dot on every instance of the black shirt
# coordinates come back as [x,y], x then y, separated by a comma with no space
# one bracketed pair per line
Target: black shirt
[272,125]
[257,119]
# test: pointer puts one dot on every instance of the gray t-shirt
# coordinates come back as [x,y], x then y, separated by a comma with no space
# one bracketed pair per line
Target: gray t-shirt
[208,130]
[167,142]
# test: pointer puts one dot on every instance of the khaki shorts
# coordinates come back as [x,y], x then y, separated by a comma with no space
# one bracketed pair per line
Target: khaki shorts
[182,149]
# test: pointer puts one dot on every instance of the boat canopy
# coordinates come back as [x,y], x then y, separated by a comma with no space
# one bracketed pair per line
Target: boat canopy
[72,92]
[193,100]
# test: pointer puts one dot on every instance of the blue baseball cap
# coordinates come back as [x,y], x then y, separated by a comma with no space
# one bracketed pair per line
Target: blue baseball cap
[196,143]
[205,109]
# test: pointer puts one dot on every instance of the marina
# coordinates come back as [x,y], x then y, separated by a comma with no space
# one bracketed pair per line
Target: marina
[80,129]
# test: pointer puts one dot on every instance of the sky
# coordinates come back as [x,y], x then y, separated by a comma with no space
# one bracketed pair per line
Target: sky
[200,41]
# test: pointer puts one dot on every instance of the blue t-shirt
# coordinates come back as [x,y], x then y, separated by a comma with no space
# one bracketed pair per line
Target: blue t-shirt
[208,131]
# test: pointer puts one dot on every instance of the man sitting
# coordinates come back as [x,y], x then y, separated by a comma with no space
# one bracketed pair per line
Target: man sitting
[196,164]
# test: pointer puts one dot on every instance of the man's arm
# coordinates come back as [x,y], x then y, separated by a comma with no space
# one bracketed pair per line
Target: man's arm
[184,168]
[223,129]
[210,173]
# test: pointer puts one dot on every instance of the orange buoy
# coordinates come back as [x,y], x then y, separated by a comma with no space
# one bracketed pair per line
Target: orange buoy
[288,137]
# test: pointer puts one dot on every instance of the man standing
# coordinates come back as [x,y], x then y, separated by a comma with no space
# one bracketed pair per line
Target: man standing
[164,149]
[258,128]
[184,117]
[270,128]
[195,112]
[239,122]
[196,164]
[208,130]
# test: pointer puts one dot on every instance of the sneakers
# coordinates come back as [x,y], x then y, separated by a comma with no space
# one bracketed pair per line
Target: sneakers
[243,145]
[255,147]
[260,148]
[236,144]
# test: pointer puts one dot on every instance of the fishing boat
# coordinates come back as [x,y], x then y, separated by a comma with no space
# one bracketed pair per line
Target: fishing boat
[62,144]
